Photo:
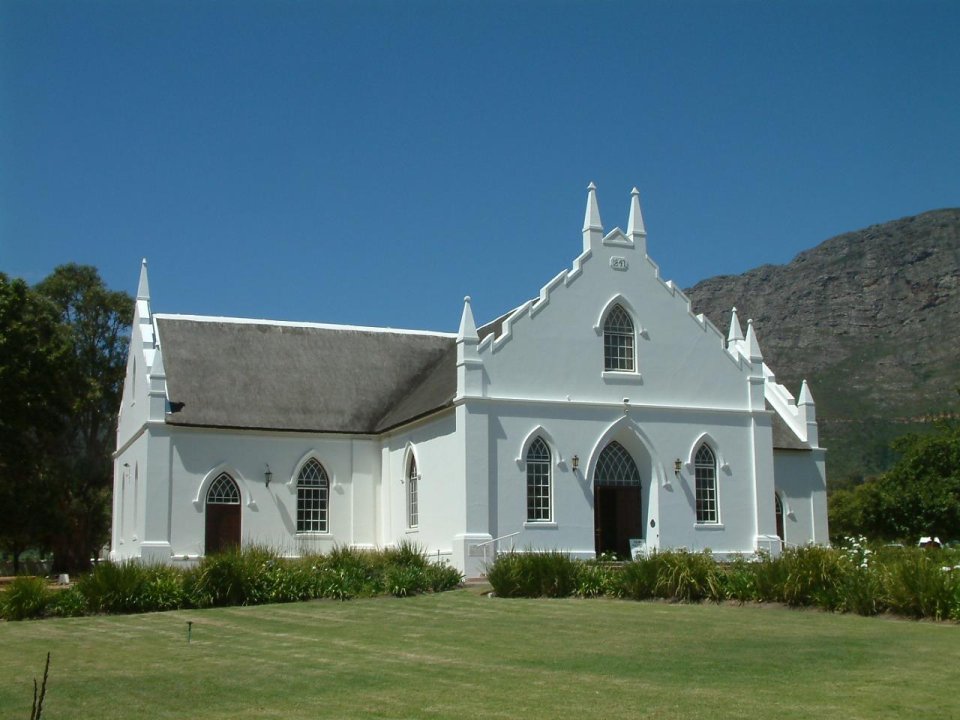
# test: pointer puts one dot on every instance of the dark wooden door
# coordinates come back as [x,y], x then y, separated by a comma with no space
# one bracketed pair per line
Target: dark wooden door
[617,518]
[223,527]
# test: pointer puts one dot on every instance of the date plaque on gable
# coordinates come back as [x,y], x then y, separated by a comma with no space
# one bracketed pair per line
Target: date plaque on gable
[618,263]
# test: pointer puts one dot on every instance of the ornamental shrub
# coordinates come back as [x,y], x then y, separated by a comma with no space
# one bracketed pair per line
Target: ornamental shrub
[25,598]
[234,577]
[814,575]
[640,578]
[533,574]
[686,576]
[114,587]
[738,580]
[918,583]
[442,576]
[599,579]
[69,602]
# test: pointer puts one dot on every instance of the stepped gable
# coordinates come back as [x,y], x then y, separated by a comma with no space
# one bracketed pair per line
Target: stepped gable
[233,373]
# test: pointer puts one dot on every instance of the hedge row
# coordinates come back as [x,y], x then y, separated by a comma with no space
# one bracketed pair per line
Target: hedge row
[248,576]
[913,582]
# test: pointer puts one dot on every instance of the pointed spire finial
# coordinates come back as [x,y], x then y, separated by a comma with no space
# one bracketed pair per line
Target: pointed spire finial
[635,226]
[143,287]
[592,227]
[808,415]
[468,328]
[753,347]
[736,332]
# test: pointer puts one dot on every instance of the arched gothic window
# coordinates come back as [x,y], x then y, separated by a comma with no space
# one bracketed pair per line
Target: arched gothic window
[616,467]
[538,482]
[223,491]
[313,498]
[618,351]
[413,482]
[705,469]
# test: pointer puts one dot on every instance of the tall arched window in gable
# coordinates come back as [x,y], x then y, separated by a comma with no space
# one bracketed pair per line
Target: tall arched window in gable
[413,503]
[705,469]
[618,352]
[538,482]
[313,498]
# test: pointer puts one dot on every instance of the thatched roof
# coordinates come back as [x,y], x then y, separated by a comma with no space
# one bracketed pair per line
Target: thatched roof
[316,378]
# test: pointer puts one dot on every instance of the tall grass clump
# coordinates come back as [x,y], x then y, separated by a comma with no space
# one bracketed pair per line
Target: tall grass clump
[599,579]
[348,573]
[639,578]
[919,583]
[738,580]
[25,598]
[533,574]
[126,587]
[813,575]
[686,576]
[238,576]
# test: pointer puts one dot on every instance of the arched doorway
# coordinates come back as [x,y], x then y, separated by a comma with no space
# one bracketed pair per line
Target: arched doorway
[617,516]
[778,508]
[223,515]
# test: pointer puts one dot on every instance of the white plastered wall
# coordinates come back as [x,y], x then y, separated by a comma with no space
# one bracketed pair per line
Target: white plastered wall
[801,483]
[440,487]
[546,370]
[183,461]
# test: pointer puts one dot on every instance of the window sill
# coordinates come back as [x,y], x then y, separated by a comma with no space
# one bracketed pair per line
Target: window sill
[622,376]
[539,525]
[319,534]
[412,530]
[708,526]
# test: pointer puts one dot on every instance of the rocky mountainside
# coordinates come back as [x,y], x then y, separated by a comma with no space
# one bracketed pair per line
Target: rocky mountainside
[871,319]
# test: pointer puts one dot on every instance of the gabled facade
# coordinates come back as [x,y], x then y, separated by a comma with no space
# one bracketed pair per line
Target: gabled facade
[602,416]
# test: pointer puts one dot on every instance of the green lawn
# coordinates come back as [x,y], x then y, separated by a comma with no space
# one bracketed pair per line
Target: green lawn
[463,655]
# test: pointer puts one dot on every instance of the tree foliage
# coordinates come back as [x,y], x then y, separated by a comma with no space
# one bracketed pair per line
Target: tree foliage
[63,348]
[919,495]
[34,409]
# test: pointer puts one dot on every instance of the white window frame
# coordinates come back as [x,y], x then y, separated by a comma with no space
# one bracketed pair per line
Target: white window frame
[413,492]
[313,499]
[706,491]
[539,486]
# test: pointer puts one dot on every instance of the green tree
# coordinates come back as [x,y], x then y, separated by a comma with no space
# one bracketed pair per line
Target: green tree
[98,321]
[34,411]
[919,495]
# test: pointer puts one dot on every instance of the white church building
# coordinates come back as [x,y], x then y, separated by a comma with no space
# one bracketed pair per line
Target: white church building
[601,416]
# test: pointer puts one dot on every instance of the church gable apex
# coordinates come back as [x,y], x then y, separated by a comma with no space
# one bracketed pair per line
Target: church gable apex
[616,238]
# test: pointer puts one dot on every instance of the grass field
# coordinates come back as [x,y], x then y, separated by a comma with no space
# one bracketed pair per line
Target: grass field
[463,655]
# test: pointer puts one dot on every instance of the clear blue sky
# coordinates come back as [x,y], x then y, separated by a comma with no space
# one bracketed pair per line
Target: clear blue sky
[373,162]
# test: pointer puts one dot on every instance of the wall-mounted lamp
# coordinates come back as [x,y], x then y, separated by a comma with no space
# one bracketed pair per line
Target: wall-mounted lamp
[267,476]
[677,467]
[626,405]
[575,461]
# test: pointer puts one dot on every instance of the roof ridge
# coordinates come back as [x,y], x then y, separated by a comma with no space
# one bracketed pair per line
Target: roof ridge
[302,324]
